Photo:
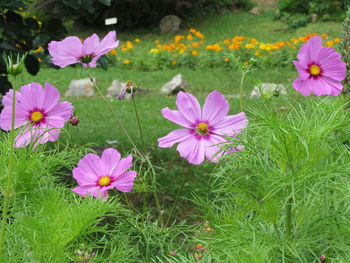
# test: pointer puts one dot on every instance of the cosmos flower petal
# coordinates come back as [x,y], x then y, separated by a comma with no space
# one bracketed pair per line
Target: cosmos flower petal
[32,96]
[65,52]
[309,51]
[51,97]
[63,109]
[215,108]
[84,178]
[213,147]
[21,118]
[125,181]
[107,44]
[231,125]
[110,159]
[123,165]
[55,123]
[91,163]
[302,69]
[174,137]
[90,45]
[7,99]
[192,149]
[328,54]
[87,190]
[189,107]
[336,86]
[335,70]
[176,117]
[302,86]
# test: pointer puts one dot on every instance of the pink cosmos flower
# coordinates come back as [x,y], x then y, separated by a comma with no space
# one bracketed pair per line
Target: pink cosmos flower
[205,130]
[70,50]
[96,175]
[320,69]
[37,111]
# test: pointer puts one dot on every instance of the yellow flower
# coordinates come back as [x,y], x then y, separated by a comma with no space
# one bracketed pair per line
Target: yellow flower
[192,30]
[194,52]
[337,40]
[34,17]
[112,52]
[137,40]
[226,60]
[39,59]
[329,43]
[174,62]
[40,23]
[129,45]
[181,51]
[199,34]
[126,61]
[189,37]
[154,51]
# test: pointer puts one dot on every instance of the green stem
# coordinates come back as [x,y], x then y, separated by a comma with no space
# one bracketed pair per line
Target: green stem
[241,92]
[289,218]
[7,194]
[115,115]
[138,123]
[290,108]
[178,194]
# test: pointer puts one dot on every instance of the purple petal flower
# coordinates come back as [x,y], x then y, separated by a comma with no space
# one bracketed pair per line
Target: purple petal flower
[71,50]
[96,175]
[204,131]
[37,112]
[320,69]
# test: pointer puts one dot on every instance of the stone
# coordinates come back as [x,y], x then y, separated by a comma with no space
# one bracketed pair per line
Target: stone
[178,83]
[255,11]
[313,17]
[81,88]
[116,86]
[169,25]
[268,89]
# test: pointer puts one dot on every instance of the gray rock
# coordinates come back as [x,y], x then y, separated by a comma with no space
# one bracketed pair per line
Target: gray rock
[268,89]
[81,88]
[169,24]
[178,83]
[116,86]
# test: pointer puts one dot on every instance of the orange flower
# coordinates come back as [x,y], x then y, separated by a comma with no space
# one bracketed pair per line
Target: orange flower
[129,45]
[38,49]
[194,52]
[137,40]
[126,61]
[226,60]
[337,40]
[156,42]
[324,36]
[192,30]
[174,62]
[189,37]
[194,44]
[246,63]
[112,52]
[201,42]
[199,34]
[39,59]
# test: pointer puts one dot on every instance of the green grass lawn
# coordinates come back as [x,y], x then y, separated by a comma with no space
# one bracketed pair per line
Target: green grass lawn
[97,124]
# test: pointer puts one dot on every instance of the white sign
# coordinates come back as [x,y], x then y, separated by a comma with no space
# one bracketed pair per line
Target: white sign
[111,21]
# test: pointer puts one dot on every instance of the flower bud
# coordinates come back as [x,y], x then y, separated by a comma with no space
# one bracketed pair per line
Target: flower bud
[323,258]
[74,120]
[173,253]
[17,68]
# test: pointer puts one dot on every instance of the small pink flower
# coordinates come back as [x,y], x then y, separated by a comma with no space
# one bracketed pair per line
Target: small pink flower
[71,50]
[320,69]
[173,253]
[37,111]
[205,130]
[96,175]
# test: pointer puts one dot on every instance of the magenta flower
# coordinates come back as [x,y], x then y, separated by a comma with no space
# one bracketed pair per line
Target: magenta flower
[38,112]
[70,50]
[320,69]
[205,131]
[96,175]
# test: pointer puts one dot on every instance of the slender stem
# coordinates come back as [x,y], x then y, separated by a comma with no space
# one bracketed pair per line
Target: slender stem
[115,115]
[290,108]
[289,217]
[7,194]
[138,123]
[178,194]
[241,93]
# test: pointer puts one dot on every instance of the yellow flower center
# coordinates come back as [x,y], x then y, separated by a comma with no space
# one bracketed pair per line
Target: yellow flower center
[202,128]
[315,70]
[36,116]
[104,180]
